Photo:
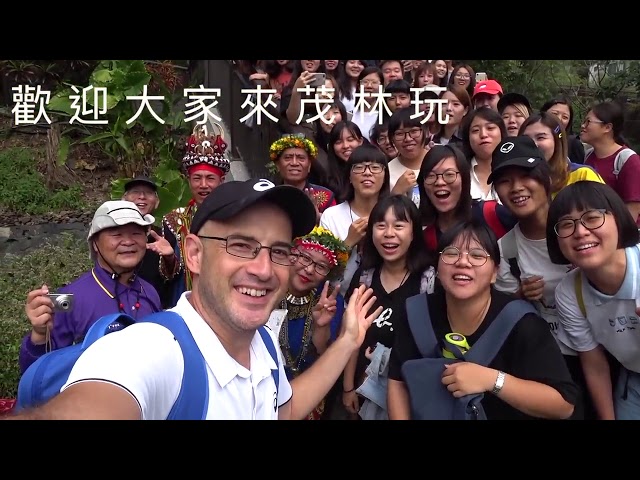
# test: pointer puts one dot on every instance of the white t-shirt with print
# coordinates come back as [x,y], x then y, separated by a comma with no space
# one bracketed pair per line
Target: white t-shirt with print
[145,360]
[337,220]
[365,121]
[611,320]
[396,169]
[533,259]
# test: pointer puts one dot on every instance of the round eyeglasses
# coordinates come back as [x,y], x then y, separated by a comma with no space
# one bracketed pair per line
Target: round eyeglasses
[449,176]
[243,247]
[591,220]
[306,260]
[475,256]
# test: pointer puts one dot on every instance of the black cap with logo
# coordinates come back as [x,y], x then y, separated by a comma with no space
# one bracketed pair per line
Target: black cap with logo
[231,198]
[520,151]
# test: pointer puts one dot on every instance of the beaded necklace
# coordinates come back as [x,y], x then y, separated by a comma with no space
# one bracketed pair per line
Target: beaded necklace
[297,307]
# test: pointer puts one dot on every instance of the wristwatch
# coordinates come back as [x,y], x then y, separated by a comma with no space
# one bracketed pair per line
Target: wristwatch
[499,383]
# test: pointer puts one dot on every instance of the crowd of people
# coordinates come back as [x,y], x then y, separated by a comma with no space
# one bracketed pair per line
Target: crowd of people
[502,203]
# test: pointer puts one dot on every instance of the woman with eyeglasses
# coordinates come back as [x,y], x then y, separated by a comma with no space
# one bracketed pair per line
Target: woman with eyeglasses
[396,266]
[522,179]
[590,227]
[367,180]
[527,379]
[314,308]
[444,183]
[602,129]
[380,138]
[463,76]
[411,139]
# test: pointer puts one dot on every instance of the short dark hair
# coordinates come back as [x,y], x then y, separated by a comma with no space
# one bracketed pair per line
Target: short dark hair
[433,157]
[418,257]
[541,173]
[362,154]
[586,195]
[403,118]
[398,86]
[472,229]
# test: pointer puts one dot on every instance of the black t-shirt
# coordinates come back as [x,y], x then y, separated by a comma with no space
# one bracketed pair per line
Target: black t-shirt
[529,353]
[394,314]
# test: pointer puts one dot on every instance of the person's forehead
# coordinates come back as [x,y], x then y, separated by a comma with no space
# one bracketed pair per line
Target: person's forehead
[264,220]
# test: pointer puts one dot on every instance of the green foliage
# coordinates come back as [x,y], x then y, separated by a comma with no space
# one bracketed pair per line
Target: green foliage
[173,188]
[135,146]
[55,264]
[23,190]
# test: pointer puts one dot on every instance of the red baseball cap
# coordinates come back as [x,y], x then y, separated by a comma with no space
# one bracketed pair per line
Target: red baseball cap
[487,86]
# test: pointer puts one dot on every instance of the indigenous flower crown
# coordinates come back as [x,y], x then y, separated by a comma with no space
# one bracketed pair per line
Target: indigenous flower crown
[323,241]
[297,140]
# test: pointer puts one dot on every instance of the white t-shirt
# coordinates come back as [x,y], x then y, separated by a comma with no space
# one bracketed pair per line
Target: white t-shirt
[396,169]
[611,320]
[338,219]
[145,360]
[533,259]
[477,192]
[366,121]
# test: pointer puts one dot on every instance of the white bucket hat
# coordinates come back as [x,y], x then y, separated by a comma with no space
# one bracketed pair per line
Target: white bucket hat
[115,213]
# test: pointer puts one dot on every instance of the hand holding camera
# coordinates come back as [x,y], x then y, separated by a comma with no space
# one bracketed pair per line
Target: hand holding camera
[40,307]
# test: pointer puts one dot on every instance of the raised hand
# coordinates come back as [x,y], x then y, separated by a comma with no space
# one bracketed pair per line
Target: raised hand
[357,319]
[325,309]
[161,246]
[312,195]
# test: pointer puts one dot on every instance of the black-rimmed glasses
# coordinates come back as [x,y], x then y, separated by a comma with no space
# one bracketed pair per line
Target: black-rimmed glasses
[243,247]
[306,260]
[476,256]
[591,220]
[413,133]
[449,176]
[374,168]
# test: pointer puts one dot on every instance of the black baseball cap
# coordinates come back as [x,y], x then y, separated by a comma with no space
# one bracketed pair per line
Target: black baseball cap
[140,181]
[520,151]
[231,198]
[511,99]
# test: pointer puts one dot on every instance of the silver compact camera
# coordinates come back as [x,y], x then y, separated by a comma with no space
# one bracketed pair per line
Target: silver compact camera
[62,302]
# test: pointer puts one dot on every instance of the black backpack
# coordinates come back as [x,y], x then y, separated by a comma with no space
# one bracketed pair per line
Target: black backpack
[429,398]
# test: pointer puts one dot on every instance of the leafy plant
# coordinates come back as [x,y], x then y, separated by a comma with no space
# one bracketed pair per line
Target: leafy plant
[173,188]
[135,145]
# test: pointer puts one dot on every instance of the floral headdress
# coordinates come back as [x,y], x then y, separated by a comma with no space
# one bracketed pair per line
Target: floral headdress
[297,140]
[323,241]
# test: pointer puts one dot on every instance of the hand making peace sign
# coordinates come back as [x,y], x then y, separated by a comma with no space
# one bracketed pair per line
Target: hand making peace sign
[325,309]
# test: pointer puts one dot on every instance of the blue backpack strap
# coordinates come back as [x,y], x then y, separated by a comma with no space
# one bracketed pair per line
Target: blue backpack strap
[106,324]
[420,325]
[489,344]
[268,342]
[193,399]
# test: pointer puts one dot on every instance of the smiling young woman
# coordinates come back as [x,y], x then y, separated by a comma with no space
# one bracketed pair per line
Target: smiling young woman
[590,227]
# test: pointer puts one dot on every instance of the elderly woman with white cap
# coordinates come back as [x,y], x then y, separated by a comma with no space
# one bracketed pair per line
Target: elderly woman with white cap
[117,241]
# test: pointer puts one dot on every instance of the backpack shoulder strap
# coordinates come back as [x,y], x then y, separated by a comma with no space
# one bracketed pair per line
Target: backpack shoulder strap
[509,250]
[489,344]
[268,342]
[577,283]
[620,160]
[491,217]
[106,324]
[587,151]
[193,399]
[420,325]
